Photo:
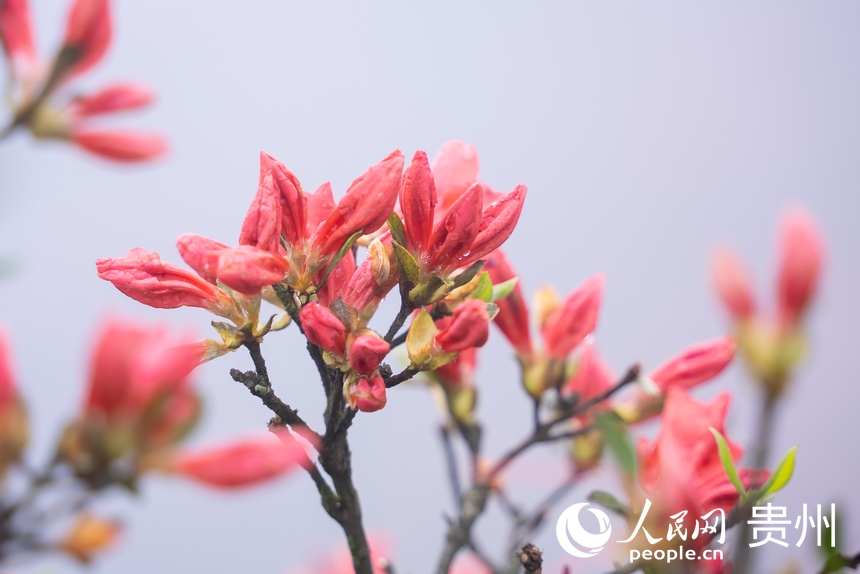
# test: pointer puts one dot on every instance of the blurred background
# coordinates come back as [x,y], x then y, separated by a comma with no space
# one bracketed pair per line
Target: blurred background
[647,133]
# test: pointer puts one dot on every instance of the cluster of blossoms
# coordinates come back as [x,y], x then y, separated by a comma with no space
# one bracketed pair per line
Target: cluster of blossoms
[139,405]
[297,250]
[42,94]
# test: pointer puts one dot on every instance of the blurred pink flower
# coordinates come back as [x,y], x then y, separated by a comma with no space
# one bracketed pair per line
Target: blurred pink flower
[681,469]
[513,316]
[695,365]
[801,254]
[243,462]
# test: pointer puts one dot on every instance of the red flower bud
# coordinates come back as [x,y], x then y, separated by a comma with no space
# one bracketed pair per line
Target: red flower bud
[262,225]
[497,223]
[144,277]
[248,269]
[568,325]
[513,316]
[468,327]
[418,201]
[733,285]
[323,328]
[367,350]
[592,377]
[366,205]
[368,395]
[695,365]
[453,236]
[800,262]
[200,253]
[293,214]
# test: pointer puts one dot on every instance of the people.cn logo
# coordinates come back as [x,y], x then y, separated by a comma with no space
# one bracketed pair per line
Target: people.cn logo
[575,539]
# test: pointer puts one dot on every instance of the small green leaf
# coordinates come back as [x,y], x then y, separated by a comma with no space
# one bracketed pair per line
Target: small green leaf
[432,289]
[728,462]
[503,289]
[484,290]
[398,233]
[618,439]
[468,274]
[407,264]
[781,474]
[345,246]
[609,502]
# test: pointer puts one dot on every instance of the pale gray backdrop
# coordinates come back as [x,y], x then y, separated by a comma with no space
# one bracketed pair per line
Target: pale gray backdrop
[647,133]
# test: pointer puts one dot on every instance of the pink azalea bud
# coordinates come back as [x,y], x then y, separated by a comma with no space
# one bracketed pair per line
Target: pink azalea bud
[16,35]
[592,377]
[88,30]
[200,253]
[323,328]
[695,365]
[134,365]
[244,462]
[248,269]
[368,395]
[115,98]
[455,169]
[733,285]
[367,351]
[567,326]
[418,201]
[453,236]
[320,205]
[513,316]
[366,205]
[800,261]
[262,225]
[294,203]
[497,223]
[120,146]
[144,277]
[468,327]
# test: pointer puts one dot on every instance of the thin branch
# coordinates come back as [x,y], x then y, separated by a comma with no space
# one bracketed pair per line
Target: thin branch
[403,314]
[401,377]
[451,463]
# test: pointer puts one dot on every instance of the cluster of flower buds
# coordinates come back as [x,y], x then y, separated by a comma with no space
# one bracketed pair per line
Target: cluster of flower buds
[297,251]
[570,364]
[140,404]
[37,101]
[773,345]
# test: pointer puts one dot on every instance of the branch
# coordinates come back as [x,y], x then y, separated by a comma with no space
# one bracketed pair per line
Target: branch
[401,377]
[403,314]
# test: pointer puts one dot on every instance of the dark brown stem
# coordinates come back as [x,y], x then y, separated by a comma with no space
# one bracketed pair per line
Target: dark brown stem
[743,562]
[401,377]
[403,314]
[531,558]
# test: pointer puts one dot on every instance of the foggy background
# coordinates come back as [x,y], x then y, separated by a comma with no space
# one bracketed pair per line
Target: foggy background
[646,132]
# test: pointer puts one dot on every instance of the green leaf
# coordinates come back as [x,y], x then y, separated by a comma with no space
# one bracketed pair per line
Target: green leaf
[345,246]
[504,289]
[781,474]
[408,266]
[398,233]
[609,502]
[432,289]
[484,290]
[728,462]
[618,439]
[468,274]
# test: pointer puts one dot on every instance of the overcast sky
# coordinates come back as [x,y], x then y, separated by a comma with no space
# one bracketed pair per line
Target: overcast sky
[646,132]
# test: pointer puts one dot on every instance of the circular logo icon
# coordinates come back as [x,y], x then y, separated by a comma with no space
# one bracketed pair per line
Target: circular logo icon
[575,539]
